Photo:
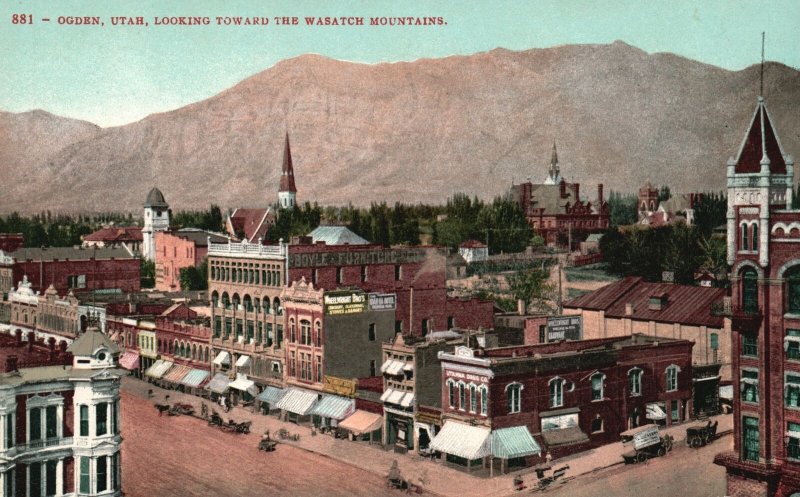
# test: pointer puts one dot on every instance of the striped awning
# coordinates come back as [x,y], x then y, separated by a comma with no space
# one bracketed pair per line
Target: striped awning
[334,407]
[158,369]
[243,361]
[508,443]
[393,367]
[398,397]
[297,401]
[177,373]
[271,395]
[219,383]
[195,378]
[469,442]
[223,359]
[362,422]
[244,384]
[130,360]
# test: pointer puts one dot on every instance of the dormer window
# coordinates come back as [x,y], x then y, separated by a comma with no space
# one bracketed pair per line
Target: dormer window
[657,302]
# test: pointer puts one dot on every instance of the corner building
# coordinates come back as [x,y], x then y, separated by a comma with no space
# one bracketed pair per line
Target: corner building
[763,236]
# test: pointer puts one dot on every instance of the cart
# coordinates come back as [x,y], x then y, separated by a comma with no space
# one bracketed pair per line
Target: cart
[646,443]
[180,408]
[699,435]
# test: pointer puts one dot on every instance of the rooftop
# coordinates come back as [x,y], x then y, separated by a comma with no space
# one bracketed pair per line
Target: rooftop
[336,235]
[70,253]
[116,235]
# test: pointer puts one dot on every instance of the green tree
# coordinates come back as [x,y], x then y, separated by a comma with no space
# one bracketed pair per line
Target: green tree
[623,208]
[664,194]
[195,278]
[508,229]
[710,211]
[147,273]
[531,286]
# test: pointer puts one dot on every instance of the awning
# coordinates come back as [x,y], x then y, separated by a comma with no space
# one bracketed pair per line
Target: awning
[706,378]
[386,365]
[195,378]
[726,392]
[223,359]
[297,401]
[655,412]
[398,397]
[362,422]
[158,369]
[407,399]
[177,373]
[271,395]
[130,360]
[219,383]
[243,361]
[564,436]
[395,368]
[245,385]
[334,407]
[469,442]
[508,443]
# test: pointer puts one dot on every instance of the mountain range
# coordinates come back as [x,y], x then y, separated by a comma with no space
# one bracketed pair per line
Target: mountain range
[408,131]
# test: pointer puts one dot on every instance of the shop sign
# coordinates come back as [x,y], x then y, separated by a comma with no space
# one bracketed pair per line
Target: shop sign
[564,328]
[382,301]
[338,303]
[466,376]
[340,386]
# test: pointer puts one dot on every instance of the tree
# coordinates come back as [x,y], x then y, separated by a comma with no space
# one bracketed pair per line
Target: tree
[195,278]
[664,194]
[147,273]
[508,229]
[710,211]
[531,286]
[623,208]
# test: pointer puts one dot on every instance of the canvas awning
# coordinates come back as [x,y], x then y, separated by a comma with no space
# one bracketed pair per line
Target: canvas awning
[130,360]
[223,359]
[469,442]
[655,412]
[726,392]
[195,378]
[297,401]
[362,422]
[244,384]
[219,383]
[158,369]
[564,436]
[508,443]
[177,373]
[271,395]
[395,368]
[243,361]
[334,407]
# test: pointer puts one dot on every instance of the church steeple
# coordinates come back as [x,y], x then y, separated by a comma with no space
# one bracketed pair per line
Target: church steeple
[554,174]
[288,191]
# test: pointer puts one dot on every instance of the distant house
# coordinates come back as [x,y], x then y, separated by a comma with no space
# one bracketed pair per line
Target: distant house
[129,237]
[473,251]
[336,235]
[250,224]
[678,208]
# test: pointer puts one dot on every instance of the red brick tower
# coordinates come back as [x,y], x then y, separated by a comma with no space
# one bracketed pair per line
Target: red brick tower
[764,253]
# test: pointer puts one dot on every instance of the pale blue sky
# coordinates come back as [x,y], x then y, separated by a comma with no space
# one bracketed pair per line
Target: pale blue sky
[116,75]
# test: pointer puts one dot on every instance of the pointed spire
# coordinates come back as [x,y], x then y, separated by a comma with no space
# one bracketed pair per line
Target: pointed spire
[760,145]
[554,174]
[554,156]
[287,170]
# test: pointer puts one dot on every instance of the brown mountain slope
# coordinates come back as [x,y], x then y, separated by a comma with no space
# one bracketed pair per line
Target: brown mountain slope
[419,131]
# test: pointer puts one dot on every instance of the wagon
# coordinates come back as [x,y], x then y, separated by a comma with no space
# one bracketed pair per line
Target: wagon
[699,435]
[180,408]
[646,443]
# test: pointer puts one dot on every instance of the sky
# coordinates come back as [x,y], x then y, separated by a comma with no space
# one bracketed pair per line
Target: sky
[114,75]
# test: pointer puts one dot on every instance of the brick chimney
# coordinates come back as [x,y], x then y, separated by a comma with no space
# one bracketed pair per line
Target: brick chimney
[600,198]
[576,189]
[31,339]
[18,338]
[11,364]
[51,347]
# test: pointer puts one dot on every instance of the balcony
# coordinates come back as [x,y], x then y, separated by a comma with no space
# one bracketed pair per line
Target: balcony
[44,444]
[747,321]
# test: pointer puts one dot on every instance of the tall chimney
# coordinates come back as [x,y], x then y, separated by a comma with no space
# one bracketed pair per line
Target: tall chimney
[521,307]
[18,337]
[31,339]
[600,198]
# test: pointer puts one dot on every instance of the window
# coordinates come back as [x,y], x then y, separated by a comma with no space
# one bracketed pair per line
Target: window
[556,392]
[35,426]
[84,416]
[51,422]
[9,438]
[714,341]
[451,394]
[635,381]
[750,291]
[484,401]
[745,245]
[451,322]
[462,396]
[750,442]
[102,473]
[115,471]
[750,345]
[293,368]
[305,332]
[364,273]
[83,485]
[473,399]
[791,387]
[597,386]
[791,343]
[514,397]
[672,378]
[318,332]
[50,477]
[371,334]
[35,478]
[8,478]
[114,406]
[792,277]
[102,418]
[749,385]
[398,272]
[754,237]
[425,326]
[793,441]
[319,369]
[398,326]
[675,413]
[291,331]
[339,275]
[542,333]
[597,424]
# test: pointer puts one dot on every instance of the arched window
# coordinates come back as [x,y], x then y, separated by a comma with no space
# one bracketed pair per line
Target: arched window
[248,303]
[598,387]
[305,332]
[745,245]
[451,390]
[276,305]
[214,299]
[749,290]
[484,401]
[194,352]
[514,397]
[292,337]
[318,333]
[754,236]
[635,381]
[473,398]
[792,277]
[267,309]
[257,305]
[236,301]
[462,396]
[557,392]
[226,300]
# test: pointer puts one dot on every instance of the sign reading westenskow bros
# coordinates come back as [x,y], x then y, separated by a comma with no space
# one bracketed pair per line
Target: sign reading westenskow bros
[564,328]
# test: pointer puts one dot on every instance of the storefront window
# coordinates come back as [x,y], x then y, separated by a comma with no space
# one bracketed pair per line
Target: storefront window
[750,441]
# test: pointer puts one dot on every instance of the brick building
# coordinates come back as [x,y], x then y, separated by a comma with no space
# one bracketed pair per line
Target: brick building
[555,209]
[563,397]
[763,237]
[129,237]
[73,269]
[633,305]
[60,415]
[10,242]
[175,250]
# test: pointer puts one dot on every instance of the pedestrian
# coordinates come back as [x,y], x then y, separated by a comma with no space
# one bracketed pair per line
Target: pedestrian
[548,458]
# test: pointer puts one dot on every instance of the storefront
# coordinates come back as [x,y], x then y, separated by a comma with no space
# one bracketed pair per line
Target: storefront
[243,389]
[158,370]
[561,428]
[218,385]
[331,409]
[175,375]
[463,445]
[427,425]
[194,380]
[269,399]
[363,424]
[296,405]
[130,360]
[511,446]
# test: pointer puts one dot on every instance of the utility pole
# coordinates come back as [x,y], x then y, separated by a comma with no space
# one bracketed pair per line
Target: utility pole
[560,299]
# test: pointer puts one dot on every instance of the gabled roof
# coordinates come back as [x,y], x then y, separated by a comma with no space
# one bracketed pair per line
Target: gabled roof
[287,169]
[254,223]
[686,304]
[336,235]
[760,142]
[155,199]
[472,244]
[90,341]
[116,235]
[198,236]
[73,254]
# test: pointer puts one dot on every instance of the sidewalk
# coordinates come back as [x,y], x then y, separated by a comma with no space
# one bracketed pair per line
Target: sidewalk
[436,477]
